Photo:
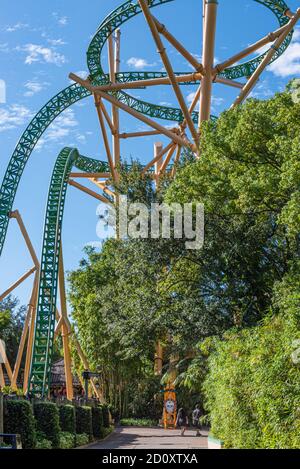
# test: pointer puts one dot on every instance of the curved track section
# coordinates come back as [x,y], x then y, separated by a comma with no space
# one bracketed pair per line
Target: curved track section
[130,9]
[48,282]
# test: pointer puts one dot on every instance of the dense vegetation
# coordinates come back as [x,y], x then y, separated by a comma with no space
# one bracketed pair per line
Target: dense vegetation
[229,312]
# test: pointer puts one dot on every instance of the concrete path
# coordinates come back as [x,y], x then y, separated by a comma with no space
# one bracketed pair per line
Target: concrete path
[151,438]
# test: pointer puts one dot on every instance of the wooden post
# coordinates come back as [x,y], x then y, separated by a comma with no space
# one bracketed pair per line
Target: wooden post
[64,329]
[208,59]
[113,66]
[5,361]
[169,70]
[2,381]
[158,359]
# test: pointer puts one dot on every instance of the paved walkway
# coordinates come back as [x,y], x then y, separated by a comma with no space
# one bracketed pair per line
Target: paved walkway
[151,438]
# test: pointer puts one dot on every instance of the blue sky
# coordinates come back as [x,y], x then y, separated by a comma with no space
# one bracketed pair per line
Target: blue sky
[42,42]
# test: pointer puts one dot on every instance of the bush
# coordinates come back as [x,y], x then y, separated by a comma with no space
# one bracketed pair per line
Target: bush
[66,440]
[84,421]
[82,439]
[67,418]
[253,387]
[18,418]
[105,413]
[47,421]
[42,443]
[138,423]
[97,418]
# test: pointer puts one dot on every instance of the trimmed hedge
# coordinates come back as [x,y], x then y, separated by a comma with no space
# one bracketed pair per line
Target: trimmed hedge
[67,418]
[105,413]
[18,418]
[84,421]
[47,421]
[97,417]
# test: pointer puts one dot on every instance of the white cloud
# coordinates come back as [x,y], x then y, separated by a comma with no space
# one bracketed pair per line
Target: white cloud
[16,27]
[63,21]
[60,129]
[33,87]
[56,42]
[40,54]
[139,63]
[288,63]
[4,47]
[14,116]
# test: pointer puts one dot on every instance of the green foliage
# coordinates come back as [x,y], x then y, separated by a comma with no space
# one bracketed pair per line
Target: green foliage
[82,439]
[12,318]
[18,419]
[66,440]
[97,418]
[43,443]
[84,421]
[138,423]
[47,421]
[67,418]
[105,416]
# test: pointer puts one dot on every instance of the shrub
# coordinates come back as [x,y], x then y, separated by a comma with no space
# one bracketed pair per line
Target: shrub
[82,439]
[105,413]
[97,418]
[67,418]
[18,418]
[42,443]
[84,421]
[252,389]
[138,423]
[66,440]
[47,421]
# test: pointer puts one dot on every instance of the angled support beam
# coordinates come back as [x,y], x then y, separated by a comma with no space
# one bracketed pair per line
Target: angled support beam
[17,283]
[31,332]
[158,148]
[161,28]
[255,77]
[132,85]
[226,81]
[90,175]
[208,59]
[88,191]
[169,69]
[103,187]
[113,66]
[107,117]
[25,332]
[158,157]
[249,50]
[133,112]
[105,138]
[17,216]
[167,160]
[140,134]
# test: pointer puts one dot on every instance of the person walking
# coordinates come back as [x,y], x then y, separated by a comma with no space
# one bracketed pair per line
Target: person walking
[197,414]
[182,421]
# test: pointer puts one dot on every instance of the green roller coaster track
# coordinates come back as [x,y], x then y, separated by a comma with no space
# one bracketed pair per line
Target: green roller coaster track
[69,158]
